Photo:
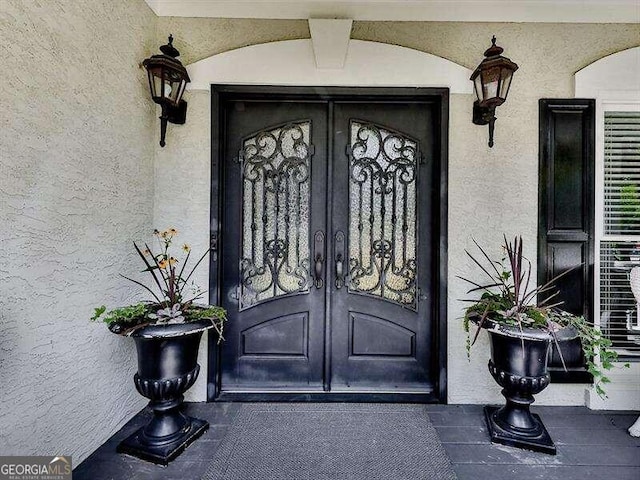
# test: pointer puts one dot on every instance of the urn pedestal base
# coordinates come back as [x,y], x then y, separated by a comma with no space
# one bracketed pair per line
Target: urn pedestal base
[167,367]
[519,365]
[162,453]
[536,439]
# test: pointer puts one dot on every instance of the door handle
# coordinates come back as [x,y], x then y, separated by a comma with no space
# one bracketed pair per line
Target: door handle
[339,272]
[338,252]
[318,254]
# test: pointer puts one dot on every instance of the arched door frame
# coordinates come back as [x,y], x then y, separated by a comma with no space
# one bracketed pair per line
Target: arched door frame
[290,66]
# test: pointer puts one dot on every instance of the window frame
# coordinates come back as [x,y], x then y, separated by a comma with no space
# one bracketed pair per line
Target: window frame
[615,101]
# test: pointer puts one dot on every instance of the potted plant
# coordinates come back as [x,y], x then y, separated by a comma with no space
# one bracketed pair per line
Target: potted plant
[521,332]
[167,332]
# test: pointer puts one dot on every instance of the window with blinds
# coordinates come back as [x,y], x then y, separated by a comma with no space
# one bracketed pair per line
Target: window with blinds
[622,173]
[620,241]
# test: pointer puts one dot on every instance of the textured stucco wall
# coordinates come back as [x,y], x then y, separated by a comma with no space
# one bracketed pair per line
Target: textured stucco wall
[199,38]
[76,186]
[491,191]
[182,189]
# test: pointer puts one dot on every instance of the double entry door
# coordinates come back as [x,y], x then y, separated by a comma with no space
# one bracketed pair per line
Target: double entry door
[328,267]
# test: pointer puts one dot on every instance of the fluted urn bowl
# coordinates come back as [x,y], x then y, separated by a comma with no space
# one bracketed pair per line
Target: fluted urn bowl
[167,367]
[519,365]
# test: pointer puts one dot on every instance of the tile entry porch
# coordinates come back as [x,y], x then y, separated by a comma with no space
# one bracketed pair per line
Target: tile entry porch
[592,445]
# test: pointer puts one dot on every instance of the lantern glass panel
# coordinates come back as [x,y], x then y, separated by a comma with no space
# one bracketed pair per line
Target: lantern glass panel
[182,87]
[490,83]
[477,83]
[155,83]
[159,90]
[507,75]
[168,90]
[171,90]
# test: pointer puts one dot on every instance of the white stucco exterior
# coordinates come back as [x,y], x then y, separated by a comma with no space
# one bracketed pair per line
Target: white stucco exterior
[490,190]
[76,187]
[83,176]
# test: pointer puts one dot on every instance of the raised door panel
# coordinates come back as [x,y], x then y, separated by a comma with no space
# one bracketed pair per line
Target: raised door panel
[283,336]
[375,336]
[562,258]
[566,172]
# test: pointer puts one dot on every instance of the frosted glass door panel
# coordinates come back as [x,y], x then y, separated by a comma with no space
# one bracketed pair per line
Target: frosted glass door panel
[275,213]
[382,213]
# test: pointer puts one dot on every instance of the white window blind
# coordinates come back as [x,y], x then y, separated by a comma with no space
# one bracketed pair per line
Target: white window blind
[622,173]
[620,242]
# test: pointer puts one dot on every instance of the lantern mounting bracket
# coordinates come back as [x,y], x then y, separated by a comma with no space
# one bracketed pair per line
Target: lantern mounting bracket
[485,116]
[177,115]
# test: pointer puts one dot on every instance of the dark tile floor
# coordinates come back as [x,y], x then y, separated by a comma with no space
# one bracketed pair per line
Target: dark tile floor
[592,445]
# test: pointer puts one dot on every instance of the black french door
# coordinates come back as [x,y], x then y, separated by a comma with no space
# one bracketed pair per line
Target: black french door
[272,205]
[330,258]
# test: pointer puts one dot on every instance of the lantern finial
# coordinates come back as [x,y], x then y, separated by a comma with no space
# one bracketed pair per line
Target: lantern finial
[169,49]
[494,49]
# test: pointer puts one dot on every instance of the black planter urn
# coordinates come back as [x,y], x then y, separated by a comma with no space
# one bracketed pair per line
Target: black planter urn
[519,365]
[167,367]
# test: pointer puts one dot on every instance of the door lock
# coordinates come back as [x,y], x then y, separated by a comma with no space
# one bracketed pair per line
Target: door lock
[234,294]
[422,296]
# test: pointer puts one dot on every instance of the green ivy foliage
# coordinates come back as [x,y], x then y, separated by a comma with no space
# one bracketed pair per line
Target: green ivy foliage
[507,299]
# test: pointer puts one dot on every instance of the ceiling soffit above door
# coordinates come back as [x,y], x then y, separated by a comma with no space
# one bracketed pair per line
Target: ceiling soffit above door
[551,11]
[329,58]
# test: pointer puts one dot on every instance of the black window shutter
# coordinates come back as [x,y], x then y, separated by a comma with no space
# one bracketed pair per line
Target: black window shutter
[566,216]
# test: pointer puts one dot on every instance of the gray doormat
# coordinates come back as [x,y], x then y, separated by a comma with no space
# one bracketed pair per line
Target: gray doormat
[331,442]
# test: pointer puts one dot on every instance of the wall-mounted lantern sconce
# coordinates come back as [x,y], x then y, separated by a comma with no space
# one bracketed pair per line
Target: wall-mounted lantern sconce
[491,80]
[167,81]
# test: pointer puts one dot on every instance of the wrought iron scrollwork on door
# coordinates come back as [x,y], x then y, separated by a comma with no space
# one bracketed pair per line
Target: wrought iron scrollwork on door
[383,167]
[275,213]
